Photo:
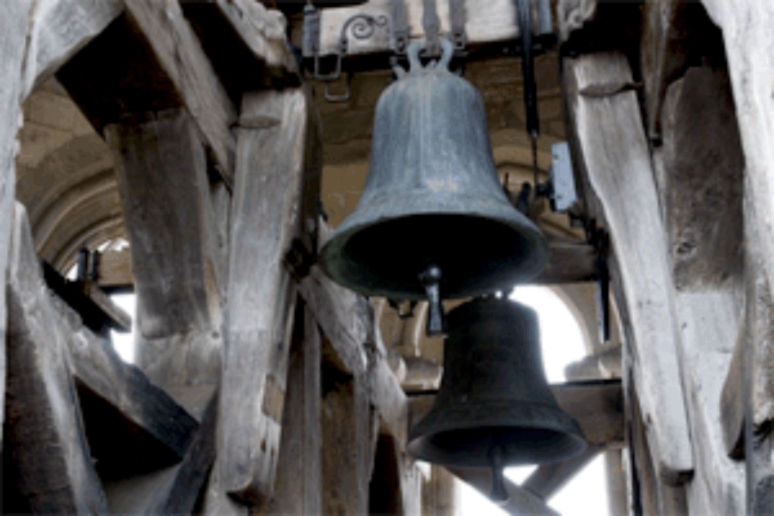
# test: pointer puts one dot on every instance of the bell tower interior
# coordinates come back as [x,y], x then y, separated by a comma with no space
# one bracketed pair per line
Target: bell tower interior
[287,194]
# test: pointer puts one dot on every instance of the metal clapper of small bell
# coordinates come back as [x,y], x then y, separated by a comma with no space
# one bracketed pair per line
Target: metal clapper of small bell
[494,407]
[433,220]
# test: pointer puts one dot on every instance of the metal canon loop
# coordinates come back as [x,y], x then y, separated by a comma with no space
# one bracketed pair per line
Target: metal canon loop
[415,48]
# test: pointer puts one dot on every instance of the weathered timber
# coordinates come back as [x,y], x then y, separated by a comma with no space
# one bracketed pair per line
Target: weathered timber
[550,478]
[596,406]
[96,309]
[44,432]
[299,473]
[656,498]
[704,181]
[486,21]
[13,34]
[568,263]
[162,175]
[343,316]
[732,399]
[346,320]
[440,493]
[702,190]
[676,34]
[180,55]
[149,60]
[253,38]
[58,30]
[172,490]
[273,165]
[350,428]
[613,157]
[599,25]
[616,481]
[115,271]
[119,404]
[520,500]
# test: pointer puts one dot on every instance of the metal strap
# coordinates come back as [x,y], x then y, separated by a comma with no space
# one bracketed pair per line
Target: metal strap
[458,17]
[400,27]
[432,25]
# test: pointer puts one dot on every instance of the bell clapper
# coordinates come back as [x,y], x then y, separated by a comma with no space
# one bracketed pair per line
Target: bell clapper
[431,279]
[499,494]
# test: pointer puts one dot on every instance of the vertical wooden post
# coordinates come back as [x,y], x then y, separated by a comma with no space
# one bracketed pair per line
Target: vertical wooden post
[615,163]
[299,474]
[13,32]
[52,466]
[277,159]
[349,439]
[162,175]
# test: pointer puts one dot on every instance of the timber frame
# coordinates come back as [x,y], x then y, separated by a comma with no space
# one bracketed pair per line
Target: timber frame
[259,385]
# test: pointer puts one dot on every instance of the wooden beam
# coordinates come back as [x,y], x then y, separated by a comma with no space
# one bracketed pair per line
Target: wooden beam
[350,430]
[13,35]
[120,404]
[597,406]
[58,30]
[149,60]
[97,310]
[299,474]
[181,56]
[52,464]
[342,315]
[520,500]
[568,263]
[171,490]
[614,160]
[550,478]
[273,166]
[252,36]
[176,253]
[115,271]
[346,320]
[488,22]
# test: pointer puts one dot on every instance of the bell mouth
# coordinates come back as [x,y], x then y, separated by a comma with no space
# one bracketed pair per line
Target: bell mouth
[463,433]
[476,254]
[472,447]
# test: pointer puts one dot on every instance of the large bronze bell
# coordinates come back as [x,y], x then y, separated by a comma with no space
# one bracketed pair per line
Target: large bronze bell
[494,407]
[432,212]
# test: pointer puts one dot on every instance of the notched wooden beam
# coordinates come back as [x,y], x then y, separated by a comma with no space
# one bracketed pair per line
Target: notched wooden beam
[245,42]
[148,60]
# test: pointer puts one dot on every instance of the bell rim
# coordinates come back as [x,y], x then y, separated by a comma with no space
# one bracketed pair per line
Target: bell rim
[491,211]
[465,417]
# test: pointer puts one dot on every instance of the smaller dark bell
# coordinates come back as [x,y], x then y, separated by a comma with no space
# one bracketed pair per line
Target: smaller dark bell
[494,407]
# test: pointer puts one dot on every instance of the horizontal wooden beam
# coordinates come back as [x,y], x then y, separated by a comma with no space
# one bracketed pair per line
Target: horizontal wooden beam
[568,263]
[487,21]
[597,406]
[520,501]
